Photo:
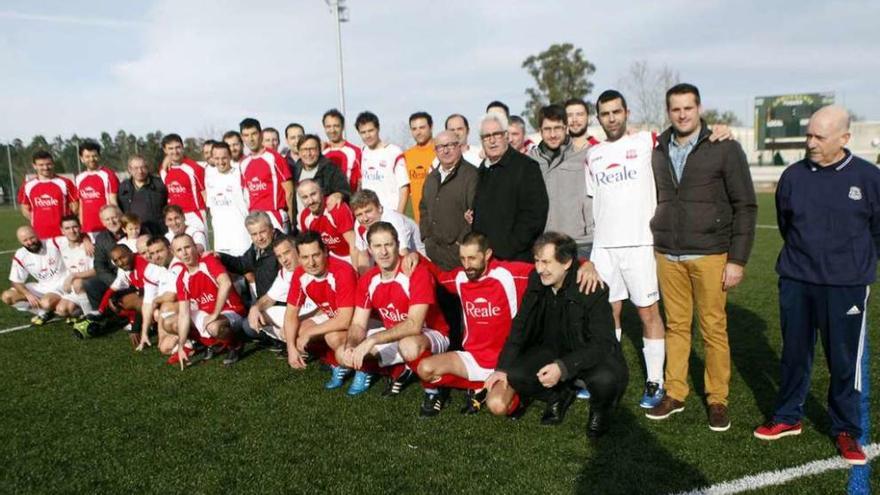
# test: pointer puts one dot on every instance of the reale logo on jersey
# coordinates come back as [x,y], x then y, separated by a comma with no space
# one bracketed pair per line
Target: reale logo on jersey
[206,298]
[175,187]
[615,173]
[481,308]
[392,313]
[256,185]
[90,192]
[330,240]
[328,310]
[45,201]
[372,174]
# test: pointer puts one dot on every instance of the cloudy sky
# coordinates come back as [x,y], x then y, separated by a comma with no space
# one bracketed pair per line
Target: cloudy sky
[197,67]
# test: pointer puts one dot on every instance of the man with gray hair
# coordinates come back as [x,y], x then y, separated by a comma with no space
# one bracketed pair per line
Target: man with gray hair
[510,205]
[105,241]
[258,264]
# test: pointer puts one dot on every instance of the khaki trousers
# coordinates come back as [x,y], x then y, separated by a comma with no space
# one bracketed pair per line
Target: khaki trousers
[684,286]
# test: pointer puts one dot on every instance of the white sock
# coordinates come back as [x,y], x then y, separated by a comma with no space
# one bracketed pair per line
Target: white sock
[22,306]
[618,332]
[655,355]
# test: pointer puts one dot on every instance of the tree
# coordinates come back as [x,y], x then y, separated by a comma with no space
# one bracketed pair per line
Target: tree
[713,116]
[560,72]
[644,88]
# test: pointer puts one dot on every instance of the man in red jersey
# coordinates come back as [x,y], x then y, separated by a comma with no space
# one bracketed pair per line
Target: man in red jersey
[96,186]
[413,327]
[125,296]
[205,296]
[339,151]
[47,198]
[490,291]
[266,177]
[330,284]
[185,181]
[336,225]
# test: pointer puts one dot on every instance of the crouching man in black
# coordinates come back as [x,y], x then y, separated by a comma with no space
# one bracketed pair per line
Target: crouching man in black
[559,337]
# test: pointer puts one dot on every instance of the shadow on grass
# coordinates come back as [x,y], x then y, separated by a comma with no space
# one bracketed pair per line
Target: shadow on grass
[758,364]
[630,460]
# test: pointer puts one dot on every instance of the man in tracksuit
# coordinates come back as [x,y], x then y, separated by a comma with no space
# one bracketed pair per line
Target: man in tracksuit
[828,210]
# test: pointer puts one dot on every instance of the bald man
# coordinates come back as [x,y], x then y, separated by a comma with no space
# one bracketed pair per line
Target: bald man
[828,211]
[42,261]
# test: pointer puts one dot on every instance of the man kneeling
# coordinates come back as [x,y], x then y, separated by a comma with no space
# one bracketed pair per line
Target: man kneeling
[559,336]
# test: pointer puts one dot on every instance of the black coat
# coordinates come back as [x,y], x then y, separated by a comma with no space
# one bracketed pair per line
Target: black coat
[510,205]
[105,241]
[261,262]
[588,332]
[328,176]
[147,203]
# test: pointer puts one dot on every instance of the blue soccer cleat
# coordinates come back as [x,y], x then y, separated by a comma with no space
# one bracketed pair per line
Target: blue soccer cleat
[360,384]
[583,394]
[654,393]
[338,374]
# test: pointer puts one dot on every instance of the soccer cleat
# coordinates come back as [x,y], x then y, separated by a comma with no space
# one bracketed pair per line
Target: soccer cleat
[81,329]
[474,401]
[771,430]
[233,356]
[433,403]
[396,385]
[337,377]
[667,407]
[41,319]
[360,384]
[652,396]
[583,394]
[850,450]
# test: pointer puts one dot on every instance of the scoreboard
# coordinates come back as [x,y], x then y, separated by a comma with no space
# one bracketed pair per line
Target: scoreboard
[781,121]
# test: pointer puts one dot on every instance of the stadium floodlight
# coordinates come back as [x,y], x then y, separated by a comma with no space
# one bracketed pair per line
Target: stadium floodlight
[340,15]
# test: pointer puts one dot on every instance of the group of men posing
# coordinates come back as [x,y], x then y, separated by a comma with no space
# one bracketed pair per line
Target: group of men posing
[483,291]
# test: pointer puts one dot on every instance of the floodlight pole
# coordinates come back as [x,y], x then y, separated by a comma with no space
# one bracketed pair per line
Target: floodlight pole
[339,11]
[11,179]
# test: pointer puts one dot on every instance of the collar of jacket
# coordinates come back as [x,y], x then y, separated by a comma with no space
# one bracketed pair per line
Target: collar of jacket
[663,140]
[150,183]
[551,155]
[322,160]
[451,173]
[569,284]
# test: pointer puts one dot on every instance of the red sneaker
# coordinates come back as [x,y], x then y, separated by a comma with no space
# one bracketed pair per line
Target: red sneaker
[175,358]
[771,430]
[850,450]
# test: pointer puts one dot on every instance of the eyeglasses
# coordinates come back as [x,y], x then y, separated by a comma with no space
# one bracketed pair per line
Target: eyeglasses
[445,147]
[493,136]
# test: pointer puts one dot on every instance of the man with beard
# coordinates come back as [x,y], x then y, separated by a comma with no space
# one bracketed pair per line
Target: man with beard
[338,150]
[226,202]
[420,158]
[41,260]
[236,147]
[578,114]
[96,186]
[266,177]
[312,164]
[336,225]
[185,181]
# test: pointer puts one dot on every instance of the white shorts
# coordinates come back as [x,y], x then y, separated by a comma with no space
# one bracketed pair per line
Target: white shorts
[475,372]
[198,319]
[40,290]
[629,272]
[81,300]
[389,354]
[280,220]
[196,221]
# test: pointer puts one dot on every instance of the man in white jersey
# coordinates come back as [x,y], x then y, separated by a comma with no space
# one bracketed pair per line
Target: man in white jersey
[176,223]
[236,146]
[42,261]
[383,167]
[226,202]
[621,182]
[160,296]
[80,267]
[368,210]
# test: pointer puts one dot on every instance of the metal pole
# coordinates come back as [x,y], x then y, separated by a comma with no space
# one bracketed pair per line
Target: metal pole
[12,191]
[339,58]
[78,161]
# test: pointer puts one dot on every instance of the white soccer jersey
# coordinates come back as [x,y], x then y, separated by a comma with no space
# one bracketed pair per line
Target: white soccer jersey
[75,258]
[159,280]
[198,236]
[281,288]
[407,232]
[226,202]
[621,182]
[46,266]
[383,171]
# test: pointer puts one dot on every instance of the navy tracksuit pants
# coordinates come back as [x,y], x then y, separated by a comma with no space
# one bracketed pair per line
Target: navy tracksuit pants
[837,315]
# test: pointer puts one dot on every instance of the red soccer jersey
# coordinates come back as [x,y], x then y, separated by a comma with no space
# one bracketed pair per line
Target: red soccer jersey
[488,305]
[331,224]
[392,298]
[186,185]
[201,286]
[263,176]
[336,289]
[49,201]
[94,187]
[348,159]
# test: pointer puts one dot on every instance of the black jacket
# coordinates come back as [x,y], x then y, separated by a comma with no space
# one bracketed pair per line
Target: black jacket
[588,333]
[510,205]
[713,209]
[328,176]
[261,262]
[105,241]
[146,202]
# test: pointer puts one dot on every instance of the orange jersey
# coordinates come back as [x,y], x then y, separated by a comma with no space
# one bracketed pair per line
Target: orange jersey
[420,160]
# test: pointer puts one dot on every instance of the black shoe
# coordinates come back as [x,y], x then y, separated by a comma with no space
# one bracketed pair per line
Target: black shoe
[282,354]
[394,386]
[520,410]
[233,356]
[474,401]
[434,403]
[597,424]
[556,409]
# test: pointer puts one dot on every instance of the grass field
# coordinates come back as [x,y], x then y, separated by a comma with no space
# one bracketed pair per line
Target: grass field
[93,416]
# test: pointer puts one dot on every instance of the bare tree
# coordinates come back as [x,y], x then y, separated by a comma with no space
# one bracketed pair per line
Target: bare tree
[645,90]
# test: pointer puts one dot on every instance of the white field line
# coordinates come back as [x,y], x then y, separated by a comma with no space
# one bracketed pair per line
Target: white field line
[760,226]
[780,477]
[14,329]
[7,252]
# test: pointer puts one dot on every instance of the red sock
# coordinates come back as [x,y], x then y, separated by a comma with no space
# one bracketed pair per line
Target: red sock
[514,403]
[372,366]
[414,365]
[105,300]
[455,381]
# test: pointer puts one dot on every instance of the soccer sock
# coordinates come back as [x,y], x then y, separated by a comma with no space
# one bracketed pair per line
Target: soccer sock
[414,365]
[514,403]
[617,333]
[655,355]
[454,381]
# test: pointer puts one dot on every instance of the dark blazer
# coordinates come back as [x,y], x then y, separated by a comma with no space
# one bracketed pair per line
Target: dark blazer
[261,262]
[588,331]
[328,176]
[510,205]
[442,223]
[713,209]
[105,241]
